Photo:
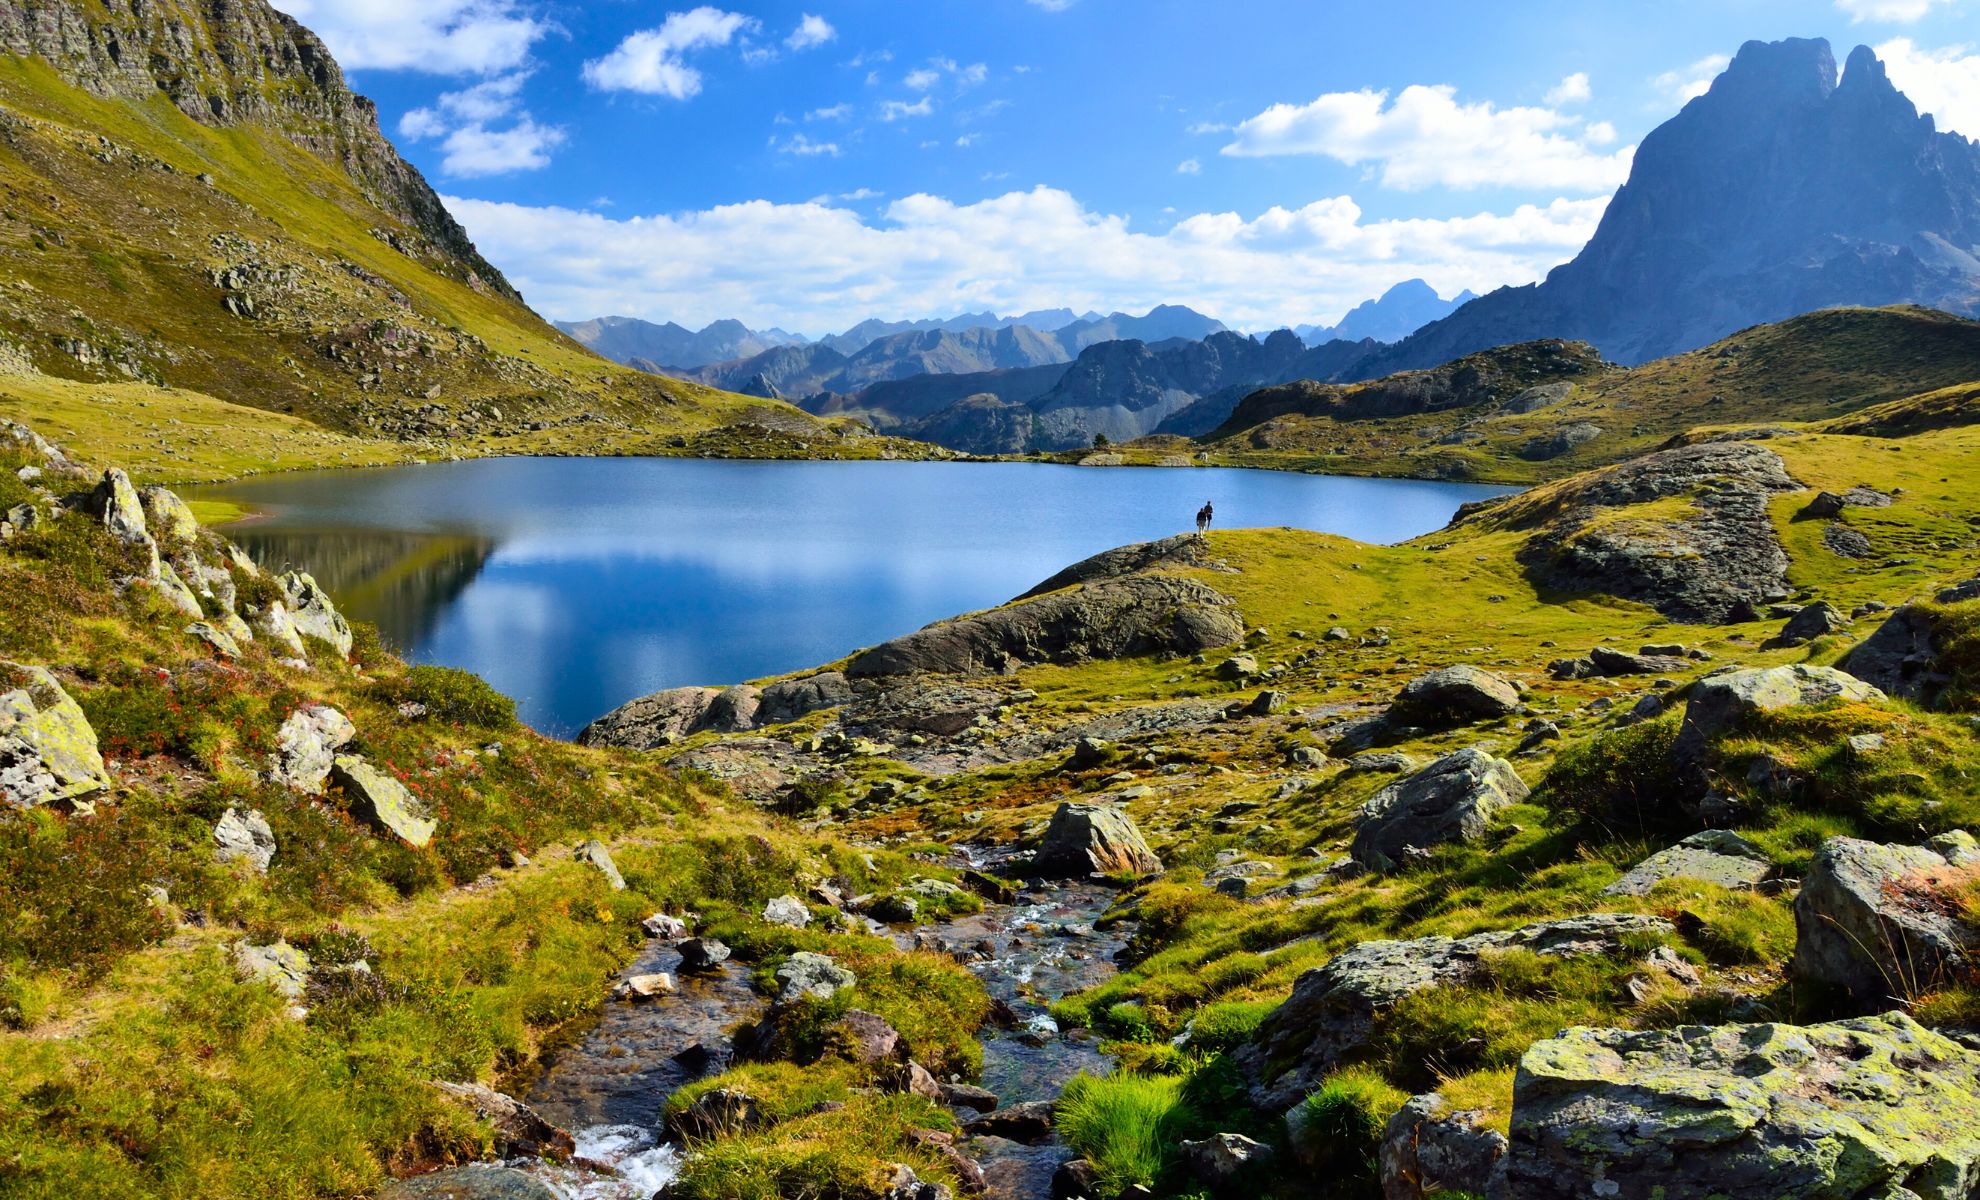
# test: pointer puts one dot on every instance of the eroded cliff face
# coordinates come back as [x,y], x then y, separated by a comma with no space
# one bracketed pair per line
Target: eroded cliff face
[228,62]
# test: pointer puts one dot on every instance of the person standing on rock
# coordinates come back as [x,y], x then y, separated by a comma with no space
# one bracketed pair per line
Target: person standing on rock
[1203,516]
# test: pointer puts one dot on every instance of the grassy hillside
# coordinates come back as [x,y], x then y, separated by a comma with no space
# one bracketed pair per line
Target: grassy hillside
[1810,369]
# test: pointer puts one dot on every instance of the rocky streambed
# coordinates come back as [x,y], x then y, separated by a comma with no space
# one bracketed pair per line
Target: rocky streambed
[609,1087]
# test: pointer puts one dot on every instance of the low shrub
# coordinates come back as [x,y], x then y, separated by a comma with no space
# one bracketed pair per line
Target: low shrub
[1339,1127]
[1621,783]
[1121,1124]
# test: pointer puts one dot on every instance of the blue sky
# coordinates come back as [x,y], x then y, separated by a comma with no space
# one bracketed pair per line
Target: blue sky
[1270,162]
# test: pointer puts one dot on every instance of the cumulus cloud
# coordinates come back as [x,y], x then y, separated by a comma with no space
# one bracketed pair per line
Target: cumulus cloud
[1425,138]
[1901,12]
[819,265]
[440,37]
[811,31]
[1689,83]
[1945,83]
[1190,166]
[470,147]
[1572,90]
[652,61]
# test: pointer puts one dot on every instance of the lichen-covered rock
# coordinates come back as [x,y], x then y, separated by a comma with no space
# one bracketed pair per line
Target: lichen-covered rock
[122,512]
[48,751]
[216,640]
[1720,704]
[598,856]
[244,837]
[1451,800]
[1333,1009]
[382,801]
[702,954]
[279,965]
[1820,619]
[788,911]
[1714,856]
[1428,1150]
[519,1130]
[1875,919]
[169,519]
[1088,839]
[1901,658]
[306,745]
[1878,1108]
[1107,619]
[818,976]
[313,613]
[274,623]
[1451,696]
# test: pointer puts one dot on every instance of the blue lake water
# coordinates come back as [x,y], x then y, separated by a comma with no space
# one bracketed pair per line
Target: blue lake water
[575,584]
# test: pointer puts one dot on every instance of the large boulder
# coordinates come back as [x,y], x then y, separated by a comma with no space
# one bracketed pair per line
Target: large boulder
[48,752]
[1714,856]
[598,856]
[1451,800]
[274,623]
[313,613]
[1429,1150]
[1901,658]
[1107,619]
[1452,696]
[1720,704]
[1333,1009]
[1090,839]
[117,503]
[1878,1108]
[1878,920]
[169,519]
[383,801]
[1818,620]
[519,1130]
[306,745]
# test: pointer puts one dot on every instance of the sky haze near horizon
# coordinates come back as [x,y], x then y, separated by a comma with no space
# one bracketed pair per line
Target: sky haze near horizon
[813,163]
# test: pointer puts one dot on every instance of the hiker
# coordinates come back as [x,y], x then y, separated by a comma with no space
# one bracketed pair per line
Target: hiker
[1203,516]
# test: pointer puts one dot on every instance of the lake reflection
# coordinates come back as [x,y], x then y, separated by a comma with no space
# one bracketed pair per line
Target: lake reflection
[577,584]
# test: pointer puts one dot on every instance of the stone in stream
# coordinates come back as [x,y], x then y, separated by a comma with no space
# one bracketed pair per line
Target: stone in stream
[477,1182]
[1221,1161]
[519,1130]
[48,752]
[1451,800]
[645,987]
[598,856]
[1028,1122]
[1092,839]
[666,928]
[382,800]
[1878,921]
[1076,1179]
[716,1113]
[966,1095]
[1874,1107]
[702,954]
[244,837]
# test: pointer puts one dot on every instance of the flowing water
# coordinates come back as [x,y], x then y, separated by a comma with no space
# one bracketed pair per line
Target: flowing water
[575,585]
[609,1087]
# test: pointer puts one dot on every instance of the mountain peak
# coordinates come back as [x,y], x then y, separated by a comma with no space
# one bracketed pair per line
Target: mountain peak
[1795,69]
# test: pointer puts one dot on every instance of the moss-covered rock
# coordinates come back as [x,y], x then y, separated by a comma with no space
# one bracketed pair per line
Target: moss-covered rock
[48,751]
[382,801]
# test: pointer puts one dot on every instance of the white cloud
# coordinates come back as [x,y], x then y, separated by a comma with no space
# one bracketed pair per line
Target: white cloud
[804,147]
[1689,83]
[440,37]
[865,193]
[923,79]
[967,140]
[894,110]
[838,112]
[1189,166]
[1427,139]
[1052,5]
[1203,127]
[811,31]
[474,150]
[1902,12]
[1945,83]
[651,62]
[469,147]
[811,265]
[1571,90]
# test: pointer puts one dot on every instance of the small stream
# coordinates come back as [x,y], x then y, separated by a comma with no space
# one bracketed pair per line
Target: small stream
[608,1089]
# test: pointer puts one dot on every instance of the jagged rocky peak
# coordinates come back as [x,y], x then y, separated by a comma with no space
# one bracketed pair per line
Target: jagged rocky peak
[236,62]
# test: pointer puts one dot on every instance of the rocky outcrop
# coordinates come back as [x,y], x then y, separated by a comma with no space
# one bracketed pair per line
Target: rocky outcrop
[1722,703]
[1182,550]
[665,717]
[519,1130]
[1710,564]
[1452,696]
[1089,839]
[1334,1009]
[1428,1150]
[48,752]
[1114,618]
[307,745]
[313,613]
[382,801]
[1451,800]
[244,837]
[1902,657]
[1715,856]
[1873,1108]
[1878,920]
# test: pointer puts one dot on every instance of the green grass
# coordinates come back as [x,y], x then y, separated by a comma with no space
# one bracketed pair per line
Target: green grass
[1123,1125]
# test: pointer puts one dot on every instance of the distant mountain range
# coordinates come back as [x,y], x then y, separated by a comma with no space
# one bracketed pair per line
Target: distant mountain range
[634,342]
[1780,191]
[1401,311]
